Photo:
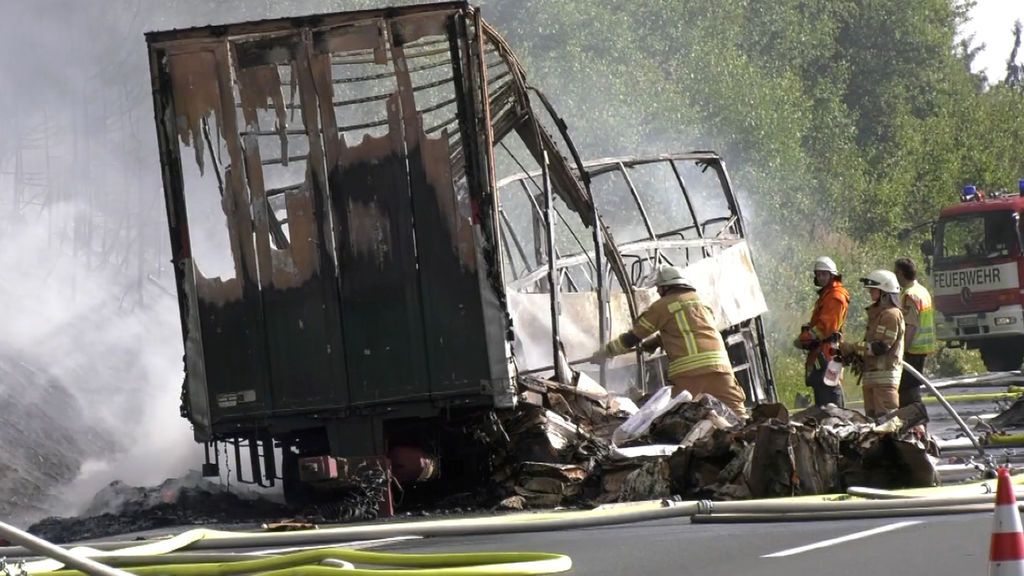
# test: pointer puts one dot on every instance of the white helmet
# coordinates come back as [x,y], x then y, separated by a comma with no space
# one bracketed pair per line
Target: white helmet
[826,264]
[884,280]
[672,276]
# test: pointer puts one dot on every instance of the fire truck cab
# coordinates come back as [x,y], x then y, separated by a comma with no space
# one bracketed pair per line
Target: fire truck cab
[977,264]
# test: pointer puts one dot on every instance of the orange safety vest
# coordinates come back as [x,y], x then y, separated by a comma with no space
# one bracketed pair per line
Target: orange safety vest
[828,317]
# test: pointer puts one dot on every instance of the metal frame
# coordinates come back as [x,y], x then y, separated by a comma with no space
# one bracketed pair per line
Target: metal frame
[732,231]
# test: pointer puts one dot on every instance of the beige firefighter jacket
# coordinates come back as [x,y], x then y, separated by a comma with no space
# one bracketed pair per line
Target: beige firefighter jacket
[688,335]
[885,325]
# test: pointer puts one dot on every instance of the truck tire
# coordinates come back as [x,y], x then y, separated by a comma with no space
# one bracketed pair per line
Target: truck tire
[1003,355]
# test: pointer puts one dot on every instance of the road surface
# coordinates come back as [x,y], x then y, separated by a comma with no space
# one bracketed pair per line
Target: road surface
[923,546]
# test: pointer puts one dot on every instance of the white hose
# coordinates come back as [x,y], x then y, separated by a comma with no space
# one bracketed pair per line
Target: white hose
[942,400]
[202,539]
[40,546]
[876,494]
[841,515]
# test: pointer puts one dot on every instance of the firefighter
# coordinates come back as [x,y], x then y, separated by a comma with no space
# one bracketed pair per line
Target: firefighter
[820,337]
[880,354]
[681,324]
[919,342]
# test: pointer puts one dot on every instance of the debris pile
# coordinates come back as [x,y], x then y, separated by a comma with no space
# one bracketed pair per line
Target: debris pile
[557,449]
[545,451]
[1012,417]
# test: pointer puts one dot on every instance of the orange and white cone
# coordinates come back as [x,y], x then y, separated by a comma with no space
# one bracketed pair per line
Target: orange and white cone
[1006,556]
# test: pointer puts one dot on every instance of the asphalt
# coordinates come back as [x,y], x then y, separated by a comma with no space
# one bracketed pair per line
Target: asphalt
[934,546]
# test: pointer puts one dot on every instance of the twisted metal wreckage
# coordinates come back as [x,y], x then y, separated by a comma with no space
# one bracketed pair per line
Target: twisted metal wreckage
[383,227]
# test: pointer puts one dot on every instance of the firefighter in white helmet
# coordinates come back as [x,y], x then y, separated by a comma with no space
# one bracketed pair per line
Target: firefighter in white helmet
[881,351]
[681,324]
[820,336]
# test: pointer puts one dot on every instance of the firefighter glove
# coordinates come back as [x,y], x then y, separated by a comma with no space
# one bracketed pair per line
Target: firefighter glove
[651,345]
[879,348]
[806,340]
[857,368]
[613,348]
[852,349]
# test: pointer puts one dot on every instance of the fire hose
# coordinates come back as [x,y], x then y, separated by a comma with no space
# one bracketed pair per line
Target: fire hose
[150,560]
[139,559]
[956,417]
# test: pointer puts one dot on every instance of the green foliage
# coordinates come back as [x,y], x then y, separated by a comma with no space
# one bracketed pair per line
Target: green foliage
[789,378]
[954,362]
[843,121]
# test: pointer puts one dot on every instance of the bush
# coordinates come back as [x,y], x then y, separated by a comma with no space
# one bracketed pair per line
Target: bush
[948,362]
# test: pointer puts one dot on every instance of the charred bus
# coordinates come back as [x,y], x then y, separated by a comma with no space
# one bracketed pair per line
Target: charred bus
[377,227]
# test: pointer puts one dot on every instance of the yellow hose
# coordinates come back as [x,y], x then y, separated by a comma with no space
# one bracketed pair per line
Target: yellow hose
[308,562]
[1004,439]
[985,396]
[994,396]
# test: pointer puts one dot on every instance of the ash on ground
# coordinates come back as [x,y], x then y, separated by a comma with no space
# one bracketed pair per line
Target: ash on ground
[119,508]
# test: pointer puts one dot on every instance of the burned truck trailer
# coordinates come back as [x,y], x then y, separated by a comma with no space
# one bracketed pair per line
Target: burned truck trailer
[356,275]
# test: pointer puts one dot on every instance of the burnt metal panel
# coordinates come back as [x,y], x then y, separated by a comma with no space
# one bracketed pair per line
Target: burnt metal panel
[376,275]
[369,189]
[224,318]
[297,274]
[446,238]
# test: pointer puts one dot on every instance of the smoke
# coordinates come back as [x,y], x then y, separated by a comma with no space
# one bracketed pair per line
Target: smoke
[119,357]
[87,294]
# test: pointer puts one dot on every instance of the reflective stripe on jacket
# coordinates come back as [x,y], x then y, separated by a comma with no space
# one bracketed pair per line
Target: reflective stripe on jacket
[688,334]
[916,301]
[885,325]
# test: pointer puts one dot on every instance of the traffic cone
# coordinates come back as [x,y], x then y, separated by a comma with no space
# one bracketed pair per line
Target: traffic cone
[1006,556]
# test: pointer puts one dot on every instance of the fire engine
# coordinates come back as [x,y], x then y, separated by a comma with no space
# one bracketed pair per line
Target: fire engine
[976,266]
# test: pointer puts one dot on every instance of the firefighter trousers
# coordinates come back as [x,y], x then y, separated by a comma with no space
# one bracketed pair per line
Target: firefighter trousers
[823,393]
[910,386]
[880,399]
[721,385]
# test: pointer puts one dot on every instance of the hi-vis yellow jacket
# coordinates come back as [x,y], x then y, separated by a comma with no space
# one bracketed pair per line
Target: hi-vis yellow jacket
[916,303]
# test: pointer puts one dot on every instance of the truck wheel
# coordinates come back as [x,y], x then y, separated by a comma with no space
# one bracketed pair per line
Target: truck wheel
[1003,356]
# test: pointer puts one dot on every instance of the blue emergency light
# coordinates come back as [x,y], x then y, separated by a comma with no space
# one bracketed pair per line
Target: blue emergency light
[969,193]
[1020,186]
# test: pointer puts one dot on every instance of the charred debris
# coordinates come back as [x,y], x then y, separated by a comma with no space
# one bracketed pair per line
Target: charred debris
[565,446]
